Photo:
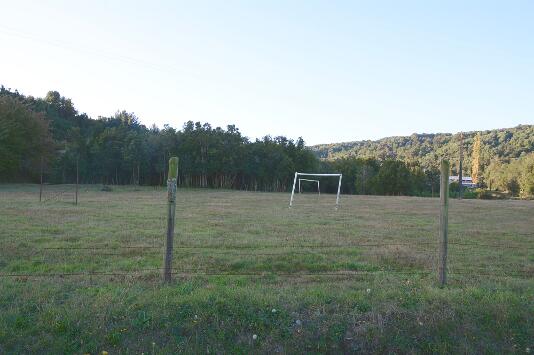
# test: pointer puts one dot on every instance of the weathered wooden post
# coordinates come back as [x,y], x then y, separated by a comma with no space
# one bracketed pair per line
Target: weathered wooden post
[41,185]
[77,178]
[171,208]
[443,222]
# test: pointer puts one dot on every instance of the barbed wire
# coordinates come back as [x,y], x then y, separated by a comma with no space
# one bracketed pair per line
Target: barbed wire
[517,275]
[309,246]
[195,273]
[102,247]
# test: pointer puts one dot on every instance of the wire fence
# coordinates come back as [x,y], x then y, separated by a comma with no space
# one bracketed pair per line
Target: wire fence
[498,268]
[519,264]
[195,273]
[299,246]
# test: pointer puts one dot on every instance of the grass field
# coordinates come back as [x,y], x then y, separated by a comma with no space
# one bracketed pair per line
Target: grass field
[252,276]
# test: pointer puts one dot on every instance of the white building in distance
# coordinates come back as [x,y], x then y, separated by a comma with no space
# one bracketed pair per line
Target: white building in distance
[467,181]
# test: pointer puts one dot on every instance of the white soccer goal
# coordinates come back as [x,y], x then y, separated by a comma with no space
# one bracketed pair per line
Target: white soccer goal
[316,181]
[297,174]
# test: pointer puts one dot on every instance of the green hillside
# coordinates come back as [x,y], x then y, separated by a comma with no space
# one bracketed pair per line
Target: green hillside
[426,149]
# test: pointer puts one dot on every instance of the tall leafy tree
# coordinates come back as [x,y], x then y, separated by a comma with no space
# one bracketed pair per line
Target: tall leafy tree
[475,165]
[24,139]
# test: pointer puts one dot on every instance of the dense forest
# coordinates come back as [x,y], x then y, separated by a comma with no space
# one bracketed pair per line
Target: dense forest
[50,133]
[120,150]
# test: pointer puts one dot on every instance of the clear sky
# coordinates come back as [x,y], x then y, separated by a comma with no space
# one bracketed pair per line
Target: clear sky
[328,71]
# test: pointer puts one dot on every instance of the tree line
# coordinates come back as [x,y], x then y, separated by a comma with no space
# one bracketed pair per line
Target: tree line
[121,150]
[49,132]
[498,159]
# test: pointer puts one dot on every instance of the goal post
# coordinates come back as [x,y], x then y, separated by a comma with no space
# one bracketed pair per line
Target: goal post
[297,174]
[310,180]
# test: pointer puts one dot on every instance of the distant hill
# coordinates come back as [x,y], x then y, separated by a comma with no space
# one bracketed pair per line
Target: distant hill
[427,149]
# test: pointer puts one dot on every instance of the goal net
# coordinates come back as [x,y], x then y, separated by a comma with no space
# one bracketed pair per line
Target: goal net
[310,180]
[297,175]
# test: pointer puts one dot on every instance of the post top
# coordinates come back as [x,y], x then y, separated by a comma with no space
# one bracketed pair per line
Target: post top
[173,168]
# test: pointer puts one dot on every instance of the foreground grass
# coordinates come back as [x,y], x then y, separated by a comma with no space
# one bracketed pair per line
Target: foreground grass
[310,279]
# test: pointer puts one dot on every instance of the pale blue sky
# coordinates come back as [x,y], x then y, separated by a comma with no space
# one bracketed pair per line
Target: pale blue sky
[325,70]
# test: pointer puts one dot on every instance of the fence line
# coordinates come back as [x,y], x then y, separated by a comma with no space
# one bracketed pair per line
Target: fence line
[281,253]
[277,250]
[194,272]
[355,245]
[189,273]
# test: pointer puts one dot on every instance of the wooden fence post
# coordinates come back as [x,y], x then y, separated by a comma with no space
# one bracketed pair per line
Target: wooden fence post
[77,178]
[171,208]
[443,222]
[41,184]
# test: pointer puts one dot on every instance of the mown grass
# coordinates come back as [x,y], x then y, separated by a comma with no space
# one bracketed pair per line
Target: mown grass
[87,278]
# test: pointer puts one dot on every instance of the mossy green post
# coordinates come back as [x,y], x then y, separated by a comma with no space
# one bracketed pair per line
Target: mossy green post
[443,222]
[171,203]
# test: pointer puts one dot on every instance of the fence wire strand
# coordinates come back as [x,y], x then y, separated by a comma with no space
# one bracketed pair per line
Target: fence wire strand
[309,246]
[193,273]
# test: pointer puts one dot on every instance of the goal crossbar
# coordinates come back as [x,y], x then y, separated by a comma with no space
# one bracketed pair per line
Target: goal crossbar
[297,174]
[310,174]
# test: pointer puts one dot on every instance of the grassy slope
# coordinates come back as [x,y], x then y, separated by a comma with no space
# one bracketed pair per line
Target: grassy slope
[326,296]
